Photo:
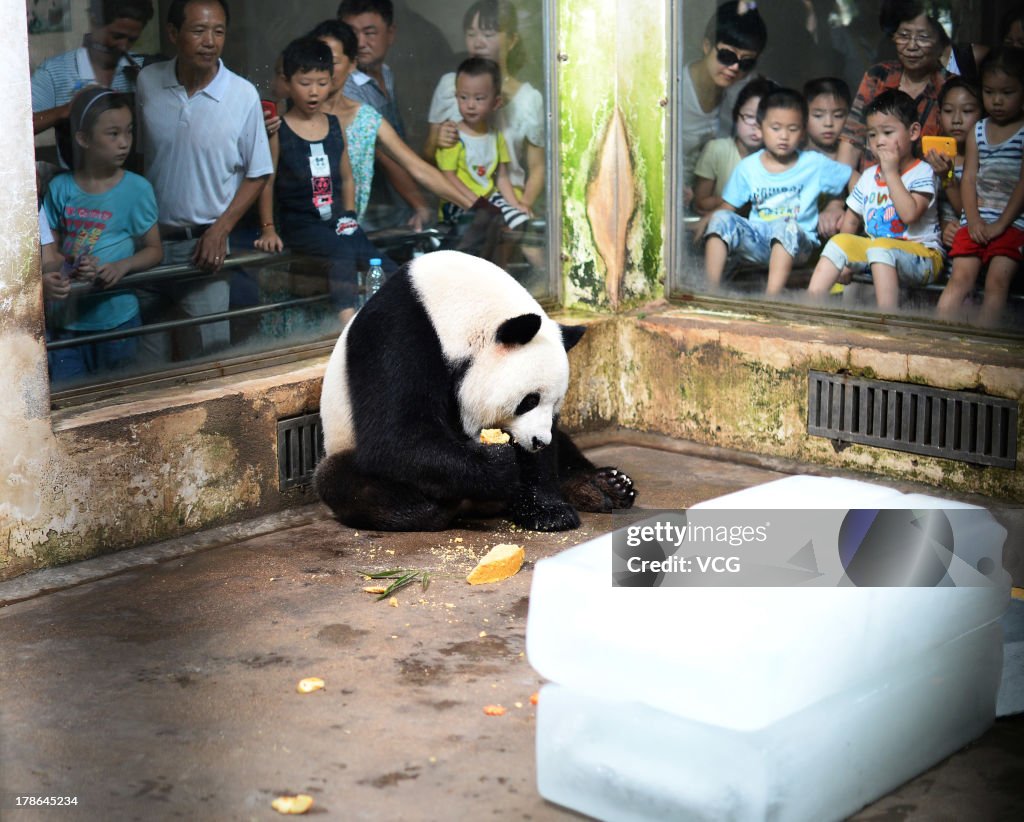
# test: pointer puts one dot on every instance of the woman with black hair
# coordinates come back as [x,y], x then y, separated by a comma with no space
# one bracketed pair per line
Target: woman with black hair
[920,43]
[733,41]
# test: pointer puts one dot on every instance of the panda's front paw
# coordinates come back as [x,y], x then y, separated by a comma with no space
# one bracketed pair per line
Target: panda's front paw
[601,491]
[617,486]
[542,512]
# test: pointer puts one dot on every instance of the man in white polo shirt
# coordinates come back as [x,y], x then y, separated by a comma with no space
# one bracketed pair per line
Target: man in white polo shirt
[207,156]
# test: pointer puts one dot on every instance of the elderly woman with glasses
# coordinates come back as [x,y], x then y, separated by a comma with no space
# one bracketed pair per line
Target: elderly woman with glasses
[920,43]
[734,39]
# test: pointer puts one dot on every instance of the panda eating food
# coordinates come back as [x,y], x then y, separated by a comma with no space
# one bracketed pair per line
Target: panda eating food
[449,346]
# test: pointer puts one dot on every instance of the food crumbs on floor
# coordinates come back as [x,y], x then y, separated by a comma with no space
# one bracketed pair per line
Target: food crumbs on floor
[519,704]
[393,602]
[299,803]
[482,634]
[534,697]
[494,710]
[375,589]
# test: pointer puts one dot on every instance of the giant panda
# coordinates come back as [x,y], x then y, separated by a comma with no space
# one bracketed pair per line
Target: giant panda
[452,344]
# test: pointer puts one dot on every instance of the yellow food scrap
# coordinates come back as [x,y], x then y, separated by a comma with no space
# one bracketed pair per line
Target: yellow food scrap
[310,684]
[393,602]
[494,710]
[292,804]
[375,589]
[501,562]
[493,436]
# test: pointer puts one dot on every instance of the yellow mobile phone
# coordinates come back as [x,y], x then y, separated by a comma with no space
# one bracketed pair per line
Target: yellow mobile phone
[943,145]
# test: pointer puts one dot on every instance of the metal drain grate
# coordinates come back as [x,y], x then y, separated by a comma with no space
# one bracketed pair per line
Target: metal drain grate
[300,445]
[956,425]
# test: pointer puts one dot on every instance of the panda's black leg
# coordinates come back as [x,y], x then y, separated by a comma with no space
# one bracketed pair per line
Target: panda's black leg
[588,488]
[535,502]
[373,503]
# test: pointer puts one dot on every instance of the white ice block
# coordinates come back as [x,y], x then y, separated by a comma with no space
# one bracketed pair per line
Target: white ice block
[741,658]
[628,761]
[805,491]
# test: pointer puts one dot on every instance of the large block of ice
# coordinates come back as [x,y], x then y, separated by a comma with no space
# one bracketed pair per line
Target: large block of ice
[805,491]
[743,658]
[623,760]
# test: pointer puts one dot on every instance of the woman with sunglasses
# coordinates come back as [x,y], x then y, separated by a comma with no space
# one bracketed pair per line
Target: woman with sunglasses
[920,42]
[734,39]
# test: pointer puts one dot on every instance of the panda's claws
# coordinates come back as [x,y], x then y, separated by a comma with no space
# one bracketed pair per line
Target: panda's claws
[617,486]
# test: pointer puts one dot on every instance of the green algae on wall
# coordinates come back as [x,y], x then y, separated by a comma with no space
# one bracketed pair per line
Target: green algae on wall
[643,100]
[747,391]
[611,82]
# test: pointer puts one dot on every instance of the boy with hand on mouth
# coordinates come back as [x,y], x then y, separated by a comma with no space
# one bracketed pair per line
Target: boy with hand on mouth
[895,201]
[782,184]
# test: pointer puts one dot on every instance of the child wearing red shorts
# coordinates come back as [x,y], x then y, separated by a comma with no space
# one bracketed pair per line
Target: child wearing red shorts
[992,226]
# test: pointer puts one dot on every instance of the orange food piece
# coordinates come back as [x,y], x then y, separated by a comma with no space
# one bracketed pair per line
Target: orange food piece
[494,710]
[310,684]
[292,804]
[493,436]
[535,697]
[501,562]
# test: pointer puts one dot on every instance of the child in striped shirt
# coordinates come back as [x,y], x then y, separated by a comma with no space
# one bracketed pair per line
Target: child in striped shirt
[992,227]
[894,201]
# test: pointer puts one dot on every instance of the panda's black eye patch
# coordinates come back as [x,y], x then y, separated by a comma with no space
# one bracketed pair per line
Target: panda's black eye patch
[527,404]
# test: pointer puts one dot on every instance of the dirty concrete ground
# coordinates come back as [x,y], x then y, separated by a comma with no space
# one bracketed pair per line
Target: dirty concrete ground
[168,690]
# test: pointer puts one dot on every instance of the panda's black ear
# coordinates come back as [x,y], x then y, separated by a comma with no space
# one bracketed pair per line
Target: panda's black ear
[519,330]
[571,334]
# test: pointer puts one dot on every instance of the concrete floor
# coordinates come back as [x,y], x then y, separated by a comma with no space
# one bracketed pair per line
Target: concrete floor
[167,689]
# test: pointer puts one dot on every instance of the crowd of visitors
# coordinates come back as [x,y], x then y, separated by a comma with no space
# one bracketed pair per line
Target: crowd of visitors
[893,158]
[322,164]
[914,180]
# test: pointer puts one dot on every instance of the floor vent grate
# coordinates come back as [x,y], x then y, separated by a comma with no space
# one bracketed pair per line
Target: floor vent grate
[300,445]
[956,425]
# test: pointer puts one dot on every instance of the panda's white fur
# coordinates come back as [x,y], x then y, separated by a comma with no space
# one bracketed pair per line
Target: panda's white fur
[467,299]
[335,407]
[450,345]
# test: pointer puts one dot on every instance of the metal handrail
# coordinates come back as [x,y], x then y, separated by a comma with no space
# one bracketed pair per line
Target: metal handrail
[167,325]
[184,272]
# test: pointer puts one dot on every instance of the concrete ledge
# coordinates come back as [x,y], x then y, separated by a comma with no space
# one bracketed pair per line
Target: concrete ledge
[741,383]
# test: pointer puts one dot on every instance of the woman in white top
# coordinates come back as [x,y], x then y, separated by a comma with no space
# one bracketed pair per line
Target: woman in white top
[492,31]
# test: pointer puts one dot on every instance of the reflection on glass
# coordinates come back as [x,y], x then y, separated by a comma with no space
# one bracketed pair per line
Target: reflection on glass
[739,237]
[240,272]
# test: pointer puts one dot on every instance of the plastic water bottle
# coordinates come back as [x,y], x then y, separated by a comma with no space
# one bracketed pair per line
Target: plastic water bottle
[374,277]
